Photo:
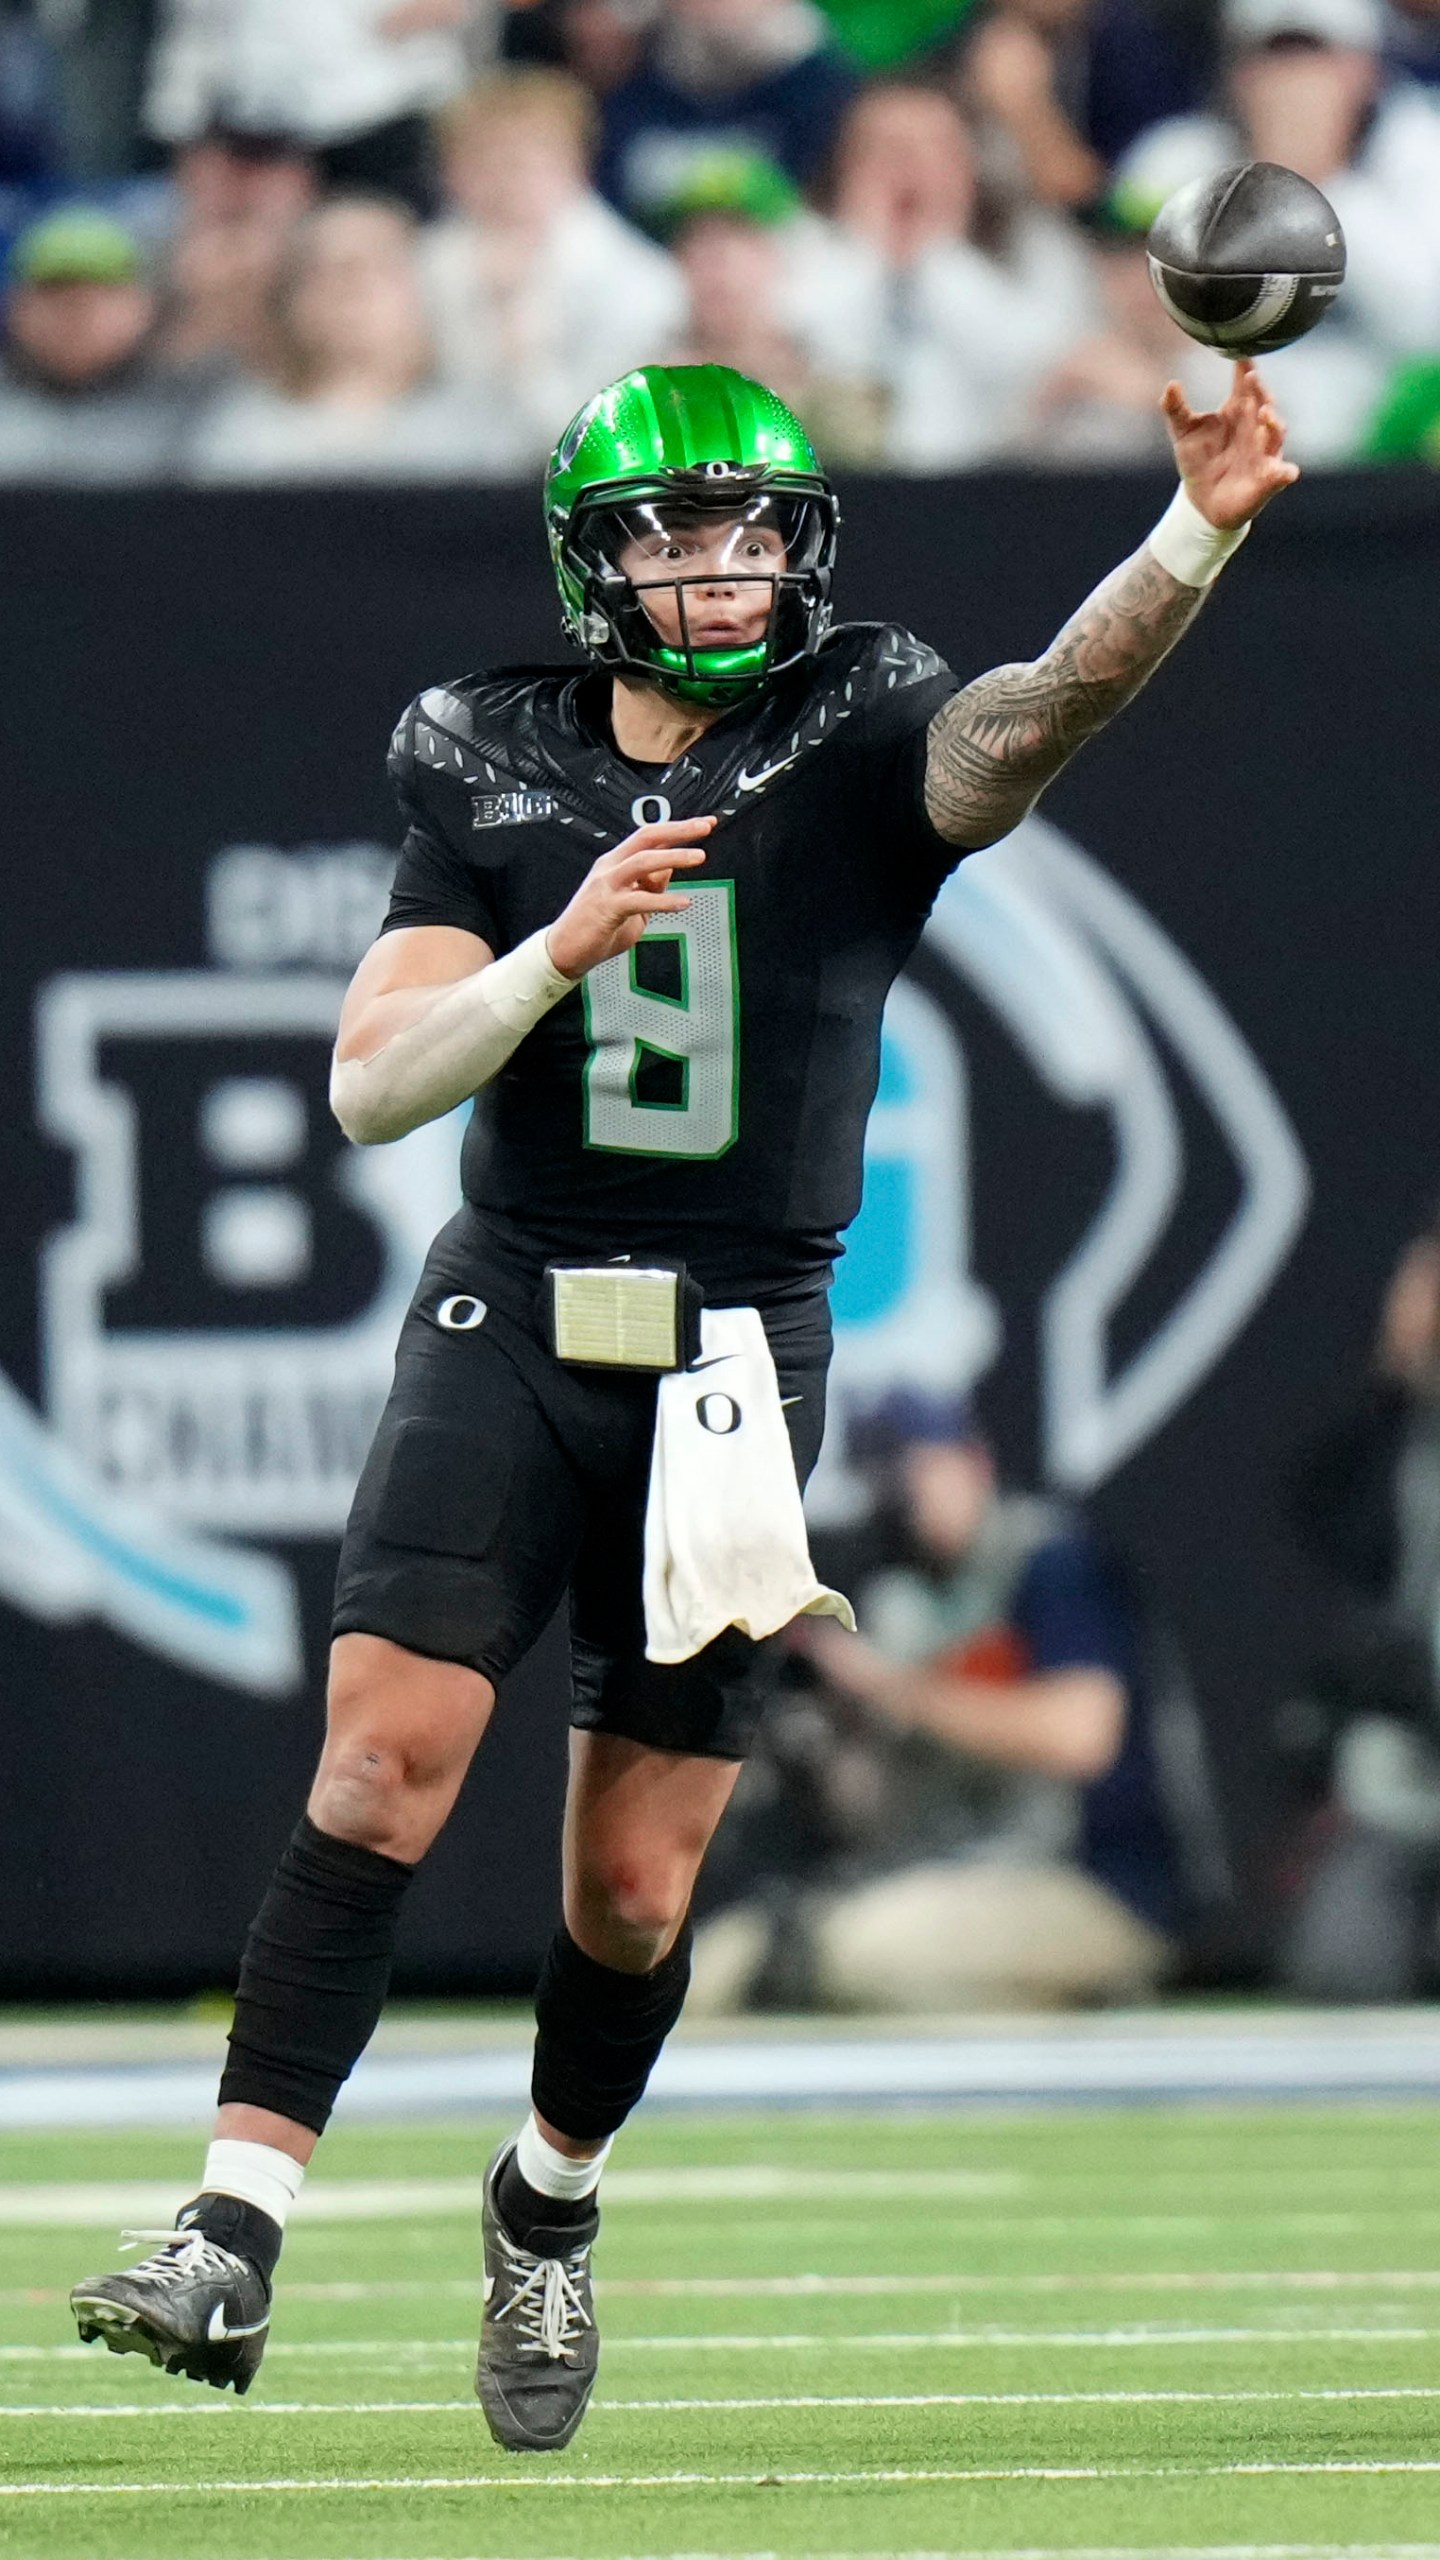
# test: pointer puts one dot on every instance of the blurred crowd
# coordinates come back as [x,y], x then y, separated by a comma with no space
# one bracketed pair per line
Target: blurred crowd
[280,240]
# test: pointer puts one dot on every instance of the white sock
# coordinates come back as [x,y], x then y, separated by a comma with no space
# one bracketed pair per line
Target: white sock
[259,2175]
[554,2173]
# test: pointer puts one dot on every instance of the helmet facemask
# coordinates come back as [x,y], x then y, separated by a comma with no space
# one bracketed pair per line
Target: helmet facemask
[651,568]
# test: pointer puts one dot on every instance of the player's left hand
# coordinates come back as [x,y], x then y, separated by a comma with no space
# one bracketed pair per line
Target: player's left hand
[1231,459]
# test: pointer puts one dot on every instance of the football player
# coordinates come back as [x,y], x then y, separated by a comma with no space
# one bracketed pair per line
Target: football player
[648,908]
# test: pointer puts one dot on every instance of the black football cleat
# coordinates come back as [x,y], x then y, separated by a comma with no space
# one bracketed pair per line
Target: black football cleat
[190,2306]
[539,2348]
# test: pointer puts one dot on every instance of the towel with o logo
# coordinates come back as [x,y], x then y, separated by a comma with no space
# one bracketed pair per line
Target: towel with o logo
[725,1541]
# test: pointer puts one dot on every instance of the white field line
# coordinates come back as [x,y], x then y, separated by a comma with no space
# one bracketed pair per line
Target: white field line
[782,2288]
[1148,2280]
[435,2350]
[1093,2551]
[890,2478]
[384,2199]
[150,2203]
[226,2411]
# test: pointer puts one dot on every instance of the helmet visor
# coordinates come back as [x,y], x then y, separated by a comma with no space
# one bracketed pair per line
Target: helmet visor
[706,577]
[714,587]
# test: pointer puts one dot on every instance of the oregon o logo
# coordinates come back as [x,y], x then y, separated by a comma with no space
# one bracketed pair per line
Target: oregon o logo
[652,809]
[461,1315]
[727,1414]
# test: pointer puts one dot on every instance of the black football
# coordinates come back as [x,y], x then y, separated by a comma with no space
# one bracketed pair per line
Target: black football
[1247,260]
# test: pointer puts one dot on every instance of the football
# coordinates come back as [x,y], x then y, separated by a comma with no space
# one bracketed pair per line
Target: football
[1247,260]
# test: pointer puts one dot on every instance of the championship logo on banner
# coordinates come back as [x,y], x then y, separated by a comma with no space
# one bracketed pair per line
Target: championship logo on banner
[219,1315]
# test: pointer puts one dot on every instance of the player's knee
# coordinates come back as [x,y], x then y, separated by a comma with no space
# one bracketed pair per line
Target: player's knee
[396,1749]
[362,1793]
[631,1905]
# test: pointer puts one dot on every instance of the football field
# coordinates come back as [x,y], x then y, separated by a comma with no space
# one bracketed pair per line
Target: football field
[1136,2331]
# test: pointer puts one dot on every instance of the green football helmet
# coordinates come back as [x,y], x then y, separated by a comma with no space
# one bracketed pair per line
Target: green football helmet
[694,471]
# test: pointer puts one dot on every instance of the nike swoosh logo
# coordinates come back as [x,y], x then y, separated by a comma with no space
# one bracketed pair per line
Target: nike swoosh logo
[767,773]
[787,1400]
[218,2328]
[713,1361]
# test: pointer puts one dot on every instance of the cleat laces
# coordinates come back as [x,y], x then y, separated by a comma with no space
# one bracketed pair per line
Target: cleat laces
[547,2308]
[185,2257]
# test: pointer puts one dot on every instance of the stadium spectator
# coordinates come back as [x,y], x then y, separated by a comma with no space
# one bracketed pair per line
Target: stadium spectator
[968,1801]
[221,279]
[1406,426]
[726,72]
[229,175]
[728,226]
[1061,88]
[1366,1925]
[1412,39]
[239,196]
[353,393]
[29,103]
[898,288]
[1101,402]
[1305,86]
[82,397]
[355,82]
[601,42]
[538,288]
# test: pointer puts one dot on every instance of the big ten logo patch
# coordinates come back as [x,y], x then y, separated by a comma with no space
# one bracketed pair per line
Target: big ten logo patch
[219,1316]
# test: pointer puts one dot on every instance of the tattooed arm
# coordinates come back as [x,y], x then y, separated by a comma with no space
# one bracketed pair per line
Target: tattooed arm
[994,746]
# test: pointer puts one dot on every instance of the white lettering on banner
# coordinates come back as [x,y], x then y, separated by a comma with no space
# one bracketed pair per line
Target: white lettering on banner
[320,906]
[234,1423]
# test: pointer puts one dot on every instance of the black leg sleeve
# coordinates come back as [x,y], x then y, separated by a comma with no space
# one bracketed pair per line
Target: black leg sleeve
[599,2034]
[314,1976]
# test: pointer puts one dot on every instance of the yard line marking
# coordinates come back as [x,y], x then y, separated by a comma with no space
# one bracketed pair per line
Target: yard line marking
[1097,2551]
[225,2410]
[1093,2551]
[1148,2280]
[415,2350]
[781,2288]
[141,2203]
[50,2205]
[866,2478]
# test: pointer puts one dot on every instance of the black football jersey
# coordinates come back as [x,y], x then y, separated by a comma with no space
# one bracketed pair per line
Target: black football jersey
[704,1095]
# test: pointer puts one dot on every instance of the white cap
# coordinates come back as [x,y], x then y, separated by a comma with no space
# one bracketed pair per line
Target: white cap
[1357,24]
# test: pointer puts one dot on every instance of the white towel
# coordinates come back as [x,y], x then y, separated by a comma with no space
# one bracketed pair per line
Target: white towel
[725,1542]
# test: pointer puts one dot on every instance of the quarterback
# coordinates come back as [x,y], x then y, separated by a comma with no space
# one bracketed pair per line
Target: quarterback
[648,908]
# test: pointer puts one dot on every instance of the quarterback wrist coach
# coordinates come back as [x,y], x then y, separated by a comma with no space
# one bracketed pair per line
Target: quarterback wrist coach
[1189,546]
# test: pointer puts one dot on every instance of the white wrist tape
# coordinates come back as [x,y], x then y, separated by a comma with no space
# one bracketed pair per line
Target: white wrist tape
[459,1043]
[1189,545]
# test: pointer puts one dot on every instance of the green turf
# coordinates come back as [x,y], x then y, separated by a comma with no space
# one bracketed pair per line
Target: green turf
[1211,2329]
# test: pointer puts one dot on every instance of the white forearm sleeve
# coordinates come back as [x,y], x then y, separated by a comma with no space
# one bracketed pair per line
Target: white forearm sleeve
[458,1044]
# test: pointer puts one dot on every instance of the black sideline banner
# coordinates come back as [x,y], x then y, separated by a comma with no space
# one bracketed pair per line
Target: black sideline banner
[1160,1104]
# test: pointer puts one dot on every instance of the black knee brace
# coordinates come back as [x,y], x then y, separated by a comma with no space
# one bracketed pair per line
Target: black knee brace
[599,2034]
[314,1976]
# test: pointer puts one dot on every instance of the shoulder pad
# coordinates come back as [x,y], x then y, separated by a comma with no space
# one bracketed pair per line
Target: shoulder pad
[881,658]
[467,728]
